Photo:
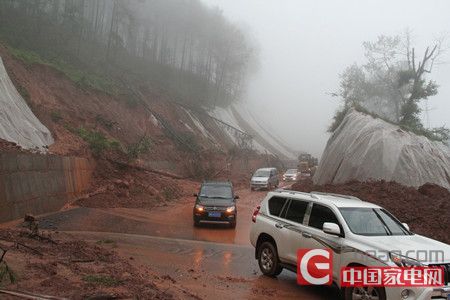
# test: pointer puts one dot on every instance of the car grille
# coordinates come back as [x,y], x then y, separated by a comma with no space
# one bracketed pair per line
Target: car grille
[446,268]
[214,208]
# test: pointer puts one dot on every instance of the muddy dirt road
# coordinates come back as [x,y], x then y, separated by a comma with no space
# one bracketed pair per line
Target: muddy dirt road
[211,261]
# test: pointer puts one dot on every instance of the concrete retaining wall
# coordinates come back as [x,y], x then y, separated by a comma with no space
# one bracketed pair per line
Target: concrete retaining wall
[37,184]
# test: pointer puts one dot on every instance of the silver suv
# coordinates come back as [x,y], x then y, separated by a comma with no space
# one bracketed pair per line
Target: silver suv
[359,234]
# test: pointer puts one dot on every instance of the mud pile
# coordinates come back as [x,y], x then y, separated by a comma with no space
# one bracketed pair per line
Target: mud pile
[6,146]
[424,209]
[364,148]
[65,267]
[120,185]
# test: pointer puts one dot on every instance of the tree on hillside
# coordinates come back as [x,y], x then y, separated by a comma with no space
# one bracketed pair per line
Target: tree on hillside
[392,83]
[182,46]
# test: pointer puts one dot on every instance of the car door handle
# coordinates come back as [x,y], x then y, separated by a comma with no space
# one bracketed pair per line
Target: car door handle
[306,235]
[279,226]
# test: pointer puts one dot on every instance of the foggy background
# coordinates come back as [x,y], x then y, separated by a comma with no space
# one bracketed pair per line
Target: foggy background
[305,45]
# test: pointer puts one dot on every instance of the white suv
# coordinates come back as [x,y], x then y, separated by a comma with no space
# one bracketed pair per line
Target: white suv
[359,234]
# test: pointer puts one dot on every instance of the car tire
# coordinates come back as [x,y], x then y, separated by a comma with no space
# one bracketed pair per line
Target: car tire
[196,223]
[268,260]
[233,225]
[378,293]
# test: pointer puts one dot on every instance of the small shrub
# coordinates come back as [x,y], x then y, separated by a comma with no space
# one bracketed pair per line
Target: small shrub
[108,124]
[338,118]
[6,273]
[97,140]
[102,280]
[24,93]
[141,147]
[107,241]
[56,116]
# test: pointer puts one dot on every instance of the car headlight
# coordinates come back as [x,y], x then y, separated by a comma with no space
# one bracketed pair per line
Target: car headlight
[199,207]
[231,209]
[403,261]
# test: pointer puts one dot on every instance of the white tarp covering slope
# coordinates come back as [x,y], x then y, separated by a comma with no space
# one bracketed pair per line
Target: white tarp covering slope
[240,116]
[18,124]
[364,148]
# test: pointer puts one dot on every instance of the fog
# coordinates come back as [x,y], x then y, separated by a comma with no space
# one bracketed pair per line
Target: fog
[305,45]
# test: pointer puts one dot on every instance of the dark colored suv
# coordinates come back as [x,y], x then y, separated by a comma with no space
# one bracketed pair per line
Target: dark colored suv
[216,203]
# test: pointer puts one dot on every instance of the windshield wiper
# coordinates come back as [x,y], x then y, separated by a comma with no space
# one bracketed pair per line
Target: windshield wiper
[386,228]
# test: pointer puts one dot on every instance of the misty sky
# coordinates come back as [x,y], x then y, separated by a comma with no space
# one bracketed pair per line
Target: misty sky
[305,45]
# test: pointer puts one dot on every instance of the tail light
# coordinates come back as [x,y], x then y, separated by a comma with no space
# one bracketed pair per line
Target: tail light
[255,213]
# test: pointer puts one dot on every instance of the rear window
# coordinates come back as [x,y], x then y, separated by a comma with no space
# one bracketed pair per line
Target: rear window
[321,214]
[276,205]
[296,211]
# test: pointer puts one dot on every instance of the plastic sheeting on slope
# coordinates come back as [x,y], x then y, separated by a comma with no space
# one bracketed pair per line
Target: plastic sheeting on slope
[364,148]
[240,116]
[18,124]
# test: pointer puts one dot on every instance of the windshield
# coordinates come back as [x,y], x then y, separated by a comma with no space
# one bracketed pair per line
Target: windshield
[372,222]
[262,173]
[293,171]
[218,192]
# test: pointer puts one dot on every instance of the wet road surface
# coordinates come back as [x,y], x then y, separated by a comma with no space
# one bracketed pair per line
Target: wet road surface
[211,261]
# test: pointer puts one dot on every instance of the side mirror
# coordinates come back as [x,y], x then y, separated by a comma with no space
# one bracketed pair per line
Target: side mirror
[236,197]
[195,195]
[406,226]
[331,228]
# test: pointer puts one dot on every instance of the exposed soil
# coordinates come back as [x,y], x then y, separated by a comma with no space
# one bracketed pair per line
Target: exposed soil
[6,146]
[120,185]
[425,210]
[76,269]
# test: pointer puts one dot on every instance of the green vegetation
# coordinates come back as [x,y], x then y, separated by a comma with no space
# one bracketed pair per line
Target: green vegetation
[391,85]
[185,48]
[6,274]
[97,140]
[107,241]
[81,78]
[185,141]
[103,280]
[143,146]
[108,124]
[56,116]
[24,93]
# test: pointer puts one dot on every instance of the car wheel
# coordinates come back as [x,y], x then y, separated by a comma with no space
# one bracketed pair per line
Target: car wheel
[233,224]
[268,261]
[196,223]
[369,293]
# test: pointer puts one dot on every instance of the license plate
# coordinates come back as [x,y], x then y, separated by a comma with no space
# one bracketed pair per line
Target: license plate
[214,214]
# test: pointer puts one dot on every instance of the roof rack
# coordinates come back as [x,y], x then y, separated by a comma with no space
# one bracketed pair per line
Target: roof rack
[336,195]
[296,192]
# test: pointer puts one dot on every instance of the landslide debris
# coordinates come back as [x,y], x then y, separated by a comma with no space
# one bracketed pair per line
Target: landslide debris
[72,268]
